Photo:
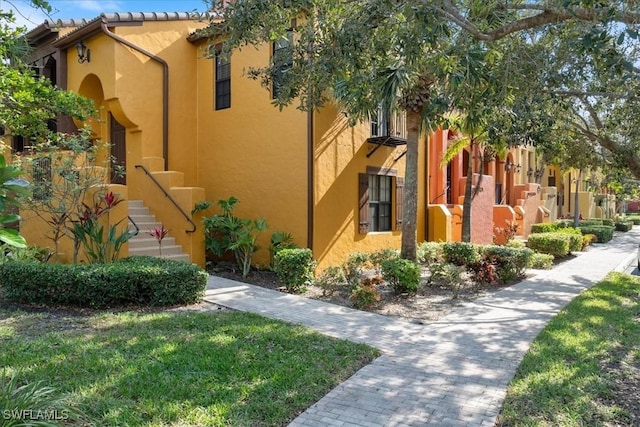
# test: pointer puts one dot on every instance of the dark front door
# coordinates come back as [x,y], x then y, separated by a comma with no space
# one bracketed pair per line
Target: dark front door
[118,140]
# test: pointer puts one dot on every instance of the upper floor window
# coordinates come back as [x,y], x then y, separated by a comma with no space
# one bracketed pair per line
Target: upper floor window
[223,82]
[282,56]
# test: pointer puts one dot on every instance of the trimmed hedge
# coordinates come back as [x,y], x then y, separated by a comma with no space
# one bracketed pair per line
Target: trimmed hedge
[545,227]
[624,225]
[402,274]
[294,268]
[541,261]
[607,221]
[635,219]
[136,280]
[604,233]
[510,262]
[460,253]
[575,238]
[556,244]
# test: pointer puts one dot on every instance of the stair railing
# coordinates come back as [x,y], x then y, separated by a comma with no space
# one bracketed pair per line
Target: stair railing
[135,225]
[171,199]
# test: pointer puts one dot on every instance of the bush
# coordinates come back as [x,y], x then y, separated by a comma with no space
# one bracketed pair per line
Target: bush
[590,222]
[460,253]
[545,227]
[137,280]
[541,261]
[376,258]
[353,267]
[429,252]
[280,240]
[556,244]
[515,243]
[624,225]
[294,268]
[604,233]
[510,262]
[366,294]
[575,238]
[635,219]
[449,275]
[402,274]
[330,280]
[483,272]
[587,240]
[612,223]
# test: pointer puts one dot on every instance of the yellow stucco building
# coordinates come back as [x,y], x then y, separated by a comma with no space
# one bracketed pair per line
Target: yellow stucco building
[188,128]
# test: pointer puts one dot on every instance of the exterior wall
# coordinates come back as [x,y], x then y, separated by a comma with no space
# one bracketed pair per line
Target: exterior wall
[503,216]
[440,224]
[252,150]
[481,223]
[340,154]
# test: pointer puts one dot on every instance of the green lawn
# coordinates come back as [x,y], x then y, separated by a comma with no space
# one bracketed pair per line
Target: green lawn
[191,369]
[575,371]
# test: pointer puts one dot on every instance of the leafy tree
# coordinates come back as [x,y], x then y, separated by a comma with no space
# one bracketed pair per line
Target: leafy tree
[10,188]
[367,53]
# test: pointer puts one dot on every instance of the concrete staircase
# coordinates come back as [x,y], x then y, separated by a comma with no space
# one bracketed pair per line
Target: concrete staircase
[143,243]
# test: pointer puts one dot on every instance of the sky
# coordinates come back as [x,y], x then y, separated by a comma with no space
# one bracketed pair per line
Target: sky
[89,9]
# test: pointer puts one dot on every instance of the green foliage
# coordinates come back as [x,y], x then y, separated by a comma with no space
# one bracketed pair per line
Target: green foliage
[623,225]
[545,227]
[226,232]
[330,280]
[448,275]
[556,244]
[518,244]
[90,233]
[608,221]
[280,240]
[353,267]
[11,187]
[294,268]
[20,398]
[430,252]
[377,257]
[541,261]
[30,253]
[145,281]
[575,238]
[510,262]
[460,253]
[604,233]
[403,275]
[366,295]
[483,272]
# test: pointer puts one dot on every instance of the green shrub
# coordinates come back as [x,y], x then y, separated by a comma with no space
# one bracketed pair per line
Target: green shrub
[612,223]
[624,225]
[366,294]
[541,261]
[136,280]
[588,239]
[330,280]
[280,240]
[294,268]
[402,274]
[575,238]
[376,258]
[447,275]
[353,267]
[460,253]
[515,243]
[592,221]
[430,252]
[604,233]
[635,219]
[556,244]
[545,227]
[510,262]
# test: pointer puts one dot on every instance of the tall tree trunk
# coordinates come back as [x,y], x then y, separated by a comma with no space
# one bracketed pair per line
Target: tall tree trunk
[410,208]
[576,201]
[468,196]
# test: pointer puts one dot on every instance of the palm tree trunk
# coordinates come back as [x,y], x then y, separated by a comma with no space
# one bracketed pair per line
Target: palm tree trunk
[410,208]
[468,197]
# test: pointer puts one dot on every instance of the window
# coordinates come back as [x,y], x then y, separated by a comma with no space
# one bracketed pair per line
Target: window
[376,200]
[380,123]
[282,61]
[223,83]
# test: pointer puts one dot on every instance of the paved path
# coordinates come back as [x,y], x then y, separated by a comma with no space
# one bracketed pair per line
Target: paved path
[453,372]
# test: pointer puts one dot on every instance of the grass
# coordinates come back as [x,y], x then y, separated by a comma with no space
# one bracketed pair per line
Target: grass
[166,368]
[565,379]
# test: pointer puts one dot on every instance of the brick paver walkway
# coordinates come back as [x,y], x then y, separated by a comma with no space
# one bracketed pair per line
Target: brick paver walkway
[453,372]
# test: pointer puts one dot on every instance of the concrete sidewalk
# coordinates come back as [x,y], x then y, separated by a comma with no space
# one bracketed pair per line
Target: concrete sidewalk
[453,372]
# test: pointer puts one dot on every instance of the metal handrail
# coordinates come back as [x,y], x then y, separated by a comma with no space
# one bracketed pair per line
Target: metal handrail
[134,224]
[171,199]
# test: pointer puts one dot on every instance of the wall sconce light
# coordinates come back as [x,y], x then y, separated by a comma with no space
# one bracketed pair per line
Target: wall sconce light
[530,172]
[84,53]
[539,173]
[509,166]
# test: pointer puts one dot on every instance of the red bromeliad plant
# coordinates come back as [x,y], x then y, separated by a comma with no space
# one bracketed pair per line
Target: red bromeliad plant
[159,233]
[90,234]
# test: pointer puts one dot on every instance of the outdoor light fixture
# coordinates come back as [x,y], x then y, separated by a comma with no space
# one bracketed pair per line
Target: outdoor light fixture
[509,166]
[84,53]
[530,172]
